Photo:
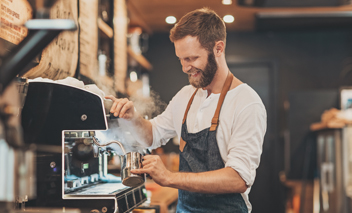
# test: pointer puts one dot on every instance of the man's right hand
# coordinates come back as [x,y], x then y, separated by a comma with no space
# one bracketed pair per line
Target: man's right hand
[122,108]
[139,127]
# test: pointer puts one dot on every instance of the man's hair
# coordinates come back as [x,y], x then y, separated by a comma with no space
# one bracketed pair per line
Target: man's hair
[204,24]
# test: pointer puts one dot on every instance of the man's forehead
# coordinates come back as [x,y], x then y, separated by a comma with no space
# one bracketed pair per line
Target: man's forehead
[187,41]
[187,47]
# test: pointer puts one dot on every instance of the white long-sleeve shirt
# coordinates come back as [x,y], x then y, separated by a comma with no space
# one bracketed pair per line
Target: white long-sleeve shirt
[242,125]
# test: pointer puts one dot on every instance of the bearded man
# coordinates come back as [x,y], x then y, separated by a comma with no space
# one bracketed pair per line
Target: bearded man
[219,152]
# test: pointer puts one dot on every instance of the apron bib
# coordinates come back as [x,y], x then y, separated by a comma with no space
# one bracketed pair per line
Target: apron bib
[199,152]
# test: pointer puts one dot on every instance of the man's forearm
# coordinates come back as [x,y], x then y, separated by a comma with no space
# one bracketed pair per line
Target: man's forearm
[224,180]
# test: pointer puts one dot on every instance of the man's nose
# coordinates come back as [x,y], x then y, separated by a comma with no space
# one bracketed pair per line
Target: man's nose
[186,67]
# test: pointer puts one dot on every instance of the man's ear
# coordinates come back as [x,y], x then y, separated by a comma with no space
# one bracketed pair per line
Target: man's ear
[219,48]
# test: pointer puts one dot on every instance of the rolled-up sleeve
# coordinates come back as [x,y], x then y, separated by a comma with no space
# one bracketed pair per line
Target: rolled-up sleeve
[163,127]
[245,146]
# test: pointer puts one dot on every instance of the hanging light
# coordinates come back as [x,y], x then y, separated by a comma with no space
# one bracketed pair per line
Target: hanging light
[133,76]
[226,2]
[229,19]
[171,20]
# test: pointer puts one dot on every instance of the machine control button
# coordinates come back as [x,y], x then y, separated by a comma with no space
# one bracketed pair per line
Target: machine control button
[52,164]
[84,117]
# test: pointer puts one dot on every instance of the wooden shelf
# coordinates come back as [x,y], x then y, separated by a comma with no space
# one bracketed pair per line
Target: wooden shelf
[140,59]
[105,28]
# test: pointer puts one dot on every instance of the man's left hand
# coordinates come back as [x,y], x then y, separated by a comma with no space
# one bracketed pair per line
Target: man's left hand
[153,165]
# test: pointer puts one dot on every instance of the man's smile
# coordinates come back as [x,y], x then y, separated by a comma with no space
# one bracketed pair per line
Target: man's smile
[194,74]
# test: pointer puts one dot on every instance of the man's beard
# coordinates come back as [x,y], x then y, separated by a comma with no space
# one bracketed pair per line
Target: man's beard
[207,74]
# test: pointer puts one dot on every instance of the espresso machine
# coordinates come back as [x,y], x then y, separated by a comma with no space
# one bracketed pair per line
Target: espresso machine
[63,122]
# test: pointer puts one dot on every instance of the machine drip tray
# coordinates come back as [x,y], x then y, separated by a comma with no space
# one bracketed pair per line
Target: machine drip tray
[112,197]
[100,189]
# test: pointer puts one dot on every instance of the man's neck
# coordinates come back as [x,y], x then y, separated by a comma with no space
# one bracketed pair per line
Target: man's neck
[218,82]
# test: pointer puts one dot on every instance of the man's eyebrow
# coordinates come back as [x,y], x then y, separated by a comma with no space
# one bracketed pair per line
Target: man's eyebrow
[188,57]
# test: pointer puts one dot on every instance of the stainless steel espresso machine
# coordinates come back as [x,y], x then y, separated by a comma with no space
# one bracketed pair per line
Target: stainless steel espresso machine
[71,162]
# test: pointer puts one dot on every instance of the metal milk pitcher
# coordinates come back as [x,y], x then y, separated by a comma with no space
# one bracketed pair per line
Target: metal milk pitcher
[129,161]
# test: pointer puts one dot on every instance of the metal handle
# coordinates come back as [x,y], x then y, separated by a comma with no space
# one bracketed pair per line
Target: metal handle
[111,116]
[327,182]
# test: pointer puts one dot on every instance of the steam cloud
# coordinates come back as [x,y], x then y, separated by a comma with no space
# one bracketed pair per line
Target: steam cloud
[118,130]
[151,106]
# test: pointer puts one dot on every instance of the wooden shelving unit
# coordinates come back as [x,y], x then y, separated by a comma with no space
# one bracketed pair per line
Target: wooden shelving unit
[112,39]
[140,59]
[105,28]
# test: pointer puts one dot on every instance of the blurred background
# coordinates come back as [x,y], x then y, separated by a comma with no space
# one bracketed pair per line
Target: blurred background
[296,54]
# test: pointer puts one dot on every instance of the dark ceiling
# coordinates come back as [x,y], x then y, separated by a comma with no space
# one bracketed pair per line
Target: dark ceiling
[151,14]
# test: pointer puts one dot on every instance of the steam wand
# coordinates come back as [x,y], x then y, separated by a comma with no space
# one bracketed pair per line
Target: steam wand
[95,140]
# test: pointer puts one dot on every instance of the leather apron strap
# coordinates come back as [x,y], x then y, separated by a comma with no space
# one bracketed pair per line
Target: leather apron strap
[215,120]
[188,106]
[225,89]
